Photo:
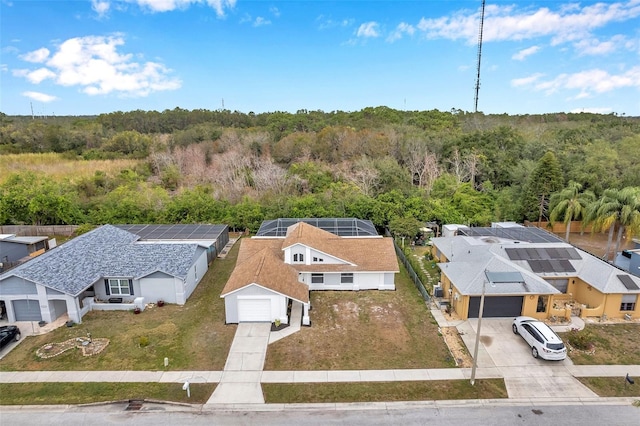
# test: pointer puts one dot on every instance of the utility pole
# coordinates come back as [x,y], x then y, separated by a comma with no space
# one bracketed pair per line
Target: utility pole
[475,109]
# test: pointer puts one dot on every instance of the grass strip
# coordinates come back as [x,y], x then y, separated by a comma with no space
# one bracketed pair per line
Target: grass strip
[611,386]
[84,393]
[383,391]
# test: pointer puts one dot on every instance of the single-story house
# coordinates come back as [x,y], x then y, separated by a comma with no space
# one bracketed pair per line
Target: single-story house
[107,268]
[284,262]
[18,249]
[528,271]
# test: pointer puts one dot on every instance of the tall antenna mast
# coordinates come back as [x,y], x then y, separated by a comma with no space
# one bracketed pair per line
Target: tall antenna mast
[479,57]
[33,117]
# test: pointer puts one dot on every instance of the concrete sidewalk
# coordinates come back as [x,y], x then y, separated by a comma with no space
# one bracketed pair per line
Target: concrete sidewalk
[322,376]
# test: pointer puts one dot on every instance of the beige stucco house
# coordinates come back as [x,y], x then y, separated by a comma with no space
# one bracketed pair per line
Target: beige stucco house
[544,276]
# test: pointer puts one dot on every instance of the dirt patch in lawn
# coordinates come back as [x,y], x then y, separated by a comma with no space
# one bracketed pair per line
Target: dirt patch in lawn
[457,347]
[364,330]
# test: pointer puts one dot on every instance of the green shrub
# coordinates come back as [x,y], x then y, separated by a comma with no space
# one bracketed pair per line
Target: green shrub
[582,340]
[143,341]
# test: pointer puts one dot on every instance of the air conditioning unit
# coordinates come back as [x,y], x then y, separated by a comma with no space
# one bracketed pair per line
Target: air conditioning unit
[437,291]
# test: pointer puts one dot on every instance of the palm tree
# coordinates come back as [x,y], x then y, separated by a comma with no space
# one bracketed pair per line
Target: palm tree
[616,209]
[570,204]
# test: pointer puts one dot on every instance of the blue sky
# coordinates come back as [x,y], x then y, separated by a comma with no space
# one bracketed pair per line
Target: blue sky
[90,57]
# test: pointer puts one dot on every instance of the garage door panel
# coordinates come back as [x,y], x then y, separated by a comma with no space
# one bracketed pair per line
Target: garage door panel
[254,310]
[496,306]
[27,310]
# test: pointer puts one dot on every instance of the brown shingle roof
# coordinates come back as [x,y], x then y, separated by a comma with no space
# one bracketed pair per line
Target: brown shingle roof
[365,253]
[259,264]
[261,260]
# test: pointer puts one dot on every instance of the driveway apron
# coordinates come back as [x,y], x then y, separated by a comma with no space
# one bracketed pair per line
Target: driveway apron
[240,382]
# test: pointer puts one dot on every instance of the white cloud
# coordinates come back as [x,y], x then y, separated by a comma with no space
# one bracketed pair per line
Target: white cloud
[274,11]
[260,21]
[168,5]
[402,29]
[39,75]
[325,23]
[526,81]
[586,82]
[368,29]
[36,56]
[40,97]
[101,7]
[521,55]
[94,64]
[593,46]
[506,23]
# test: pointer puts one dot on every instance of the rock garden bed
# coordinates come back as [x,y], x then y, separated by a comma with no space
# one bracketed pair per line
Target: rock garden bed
[88,347]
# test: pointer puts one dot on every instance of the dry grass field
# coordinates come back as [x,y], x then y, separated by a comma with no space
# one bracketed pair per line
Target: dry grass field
[364,330]
[58,167]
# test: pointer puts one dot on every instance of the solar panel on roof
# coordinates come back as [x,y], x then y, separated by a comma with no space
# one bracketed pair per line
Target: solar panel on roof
[550,266]
[628,282]
[536,266]
[176,232]
[566,266]
[513,253]
[504,277]
[532,253]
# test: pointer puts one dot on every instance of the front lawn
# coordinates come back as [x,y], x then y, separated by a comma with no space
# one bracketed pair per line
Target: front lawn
[193,336]
[611,386]
[606,344]
[85,393]
[383,391]
[369,330]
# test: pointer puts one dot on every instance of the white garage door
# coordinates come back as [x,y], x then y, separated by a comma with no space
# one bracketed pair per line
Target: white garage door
[254,310]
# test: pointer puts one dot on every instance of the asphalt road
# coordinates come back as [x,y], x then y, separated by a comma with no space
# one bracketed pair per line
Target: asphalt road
[566,415]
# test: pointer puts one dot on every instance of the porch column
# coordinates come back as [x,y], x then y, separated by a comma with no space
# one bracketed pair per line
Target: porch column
[305,316]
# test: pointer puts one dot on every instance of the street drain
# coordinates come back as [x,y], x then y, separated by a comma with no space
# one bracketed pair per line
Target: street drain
[134,405]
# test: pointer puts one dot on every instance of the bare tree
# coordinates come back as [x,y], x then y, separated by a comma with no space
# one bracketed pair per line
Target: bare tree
[472,162]
[414,158]
[362,173]
[268,176]
[432,171]
[457,166]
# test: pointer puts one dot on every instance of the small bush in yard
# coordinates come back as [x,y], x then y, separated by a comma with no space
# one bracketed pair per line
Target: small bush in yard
[143,341]
[582,340]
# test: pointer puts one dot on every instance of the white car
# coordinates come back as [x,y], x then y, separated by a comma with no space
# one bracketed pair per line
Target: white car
[544,342]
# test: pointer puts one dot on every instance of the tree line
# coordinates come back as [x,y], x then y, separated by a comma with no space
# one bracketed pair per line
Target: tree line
[378,163]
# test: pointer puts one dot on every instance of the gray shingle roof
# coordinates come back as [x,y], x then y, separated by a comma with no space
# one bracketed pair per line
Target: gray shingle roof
[474,254]
[104,252]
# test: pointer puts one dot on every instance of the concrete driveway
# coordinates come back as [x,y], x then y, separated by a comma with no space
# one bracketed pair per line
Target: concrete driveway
[524,375]
[499,347]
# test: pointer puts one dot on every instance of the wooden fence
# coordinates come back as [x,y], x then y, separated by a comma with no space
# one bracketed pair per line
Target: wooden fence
[38,231]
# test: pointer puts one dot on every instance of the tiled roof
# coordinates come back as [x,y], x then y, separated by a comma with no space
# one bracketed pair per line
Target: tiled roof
[104,252]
